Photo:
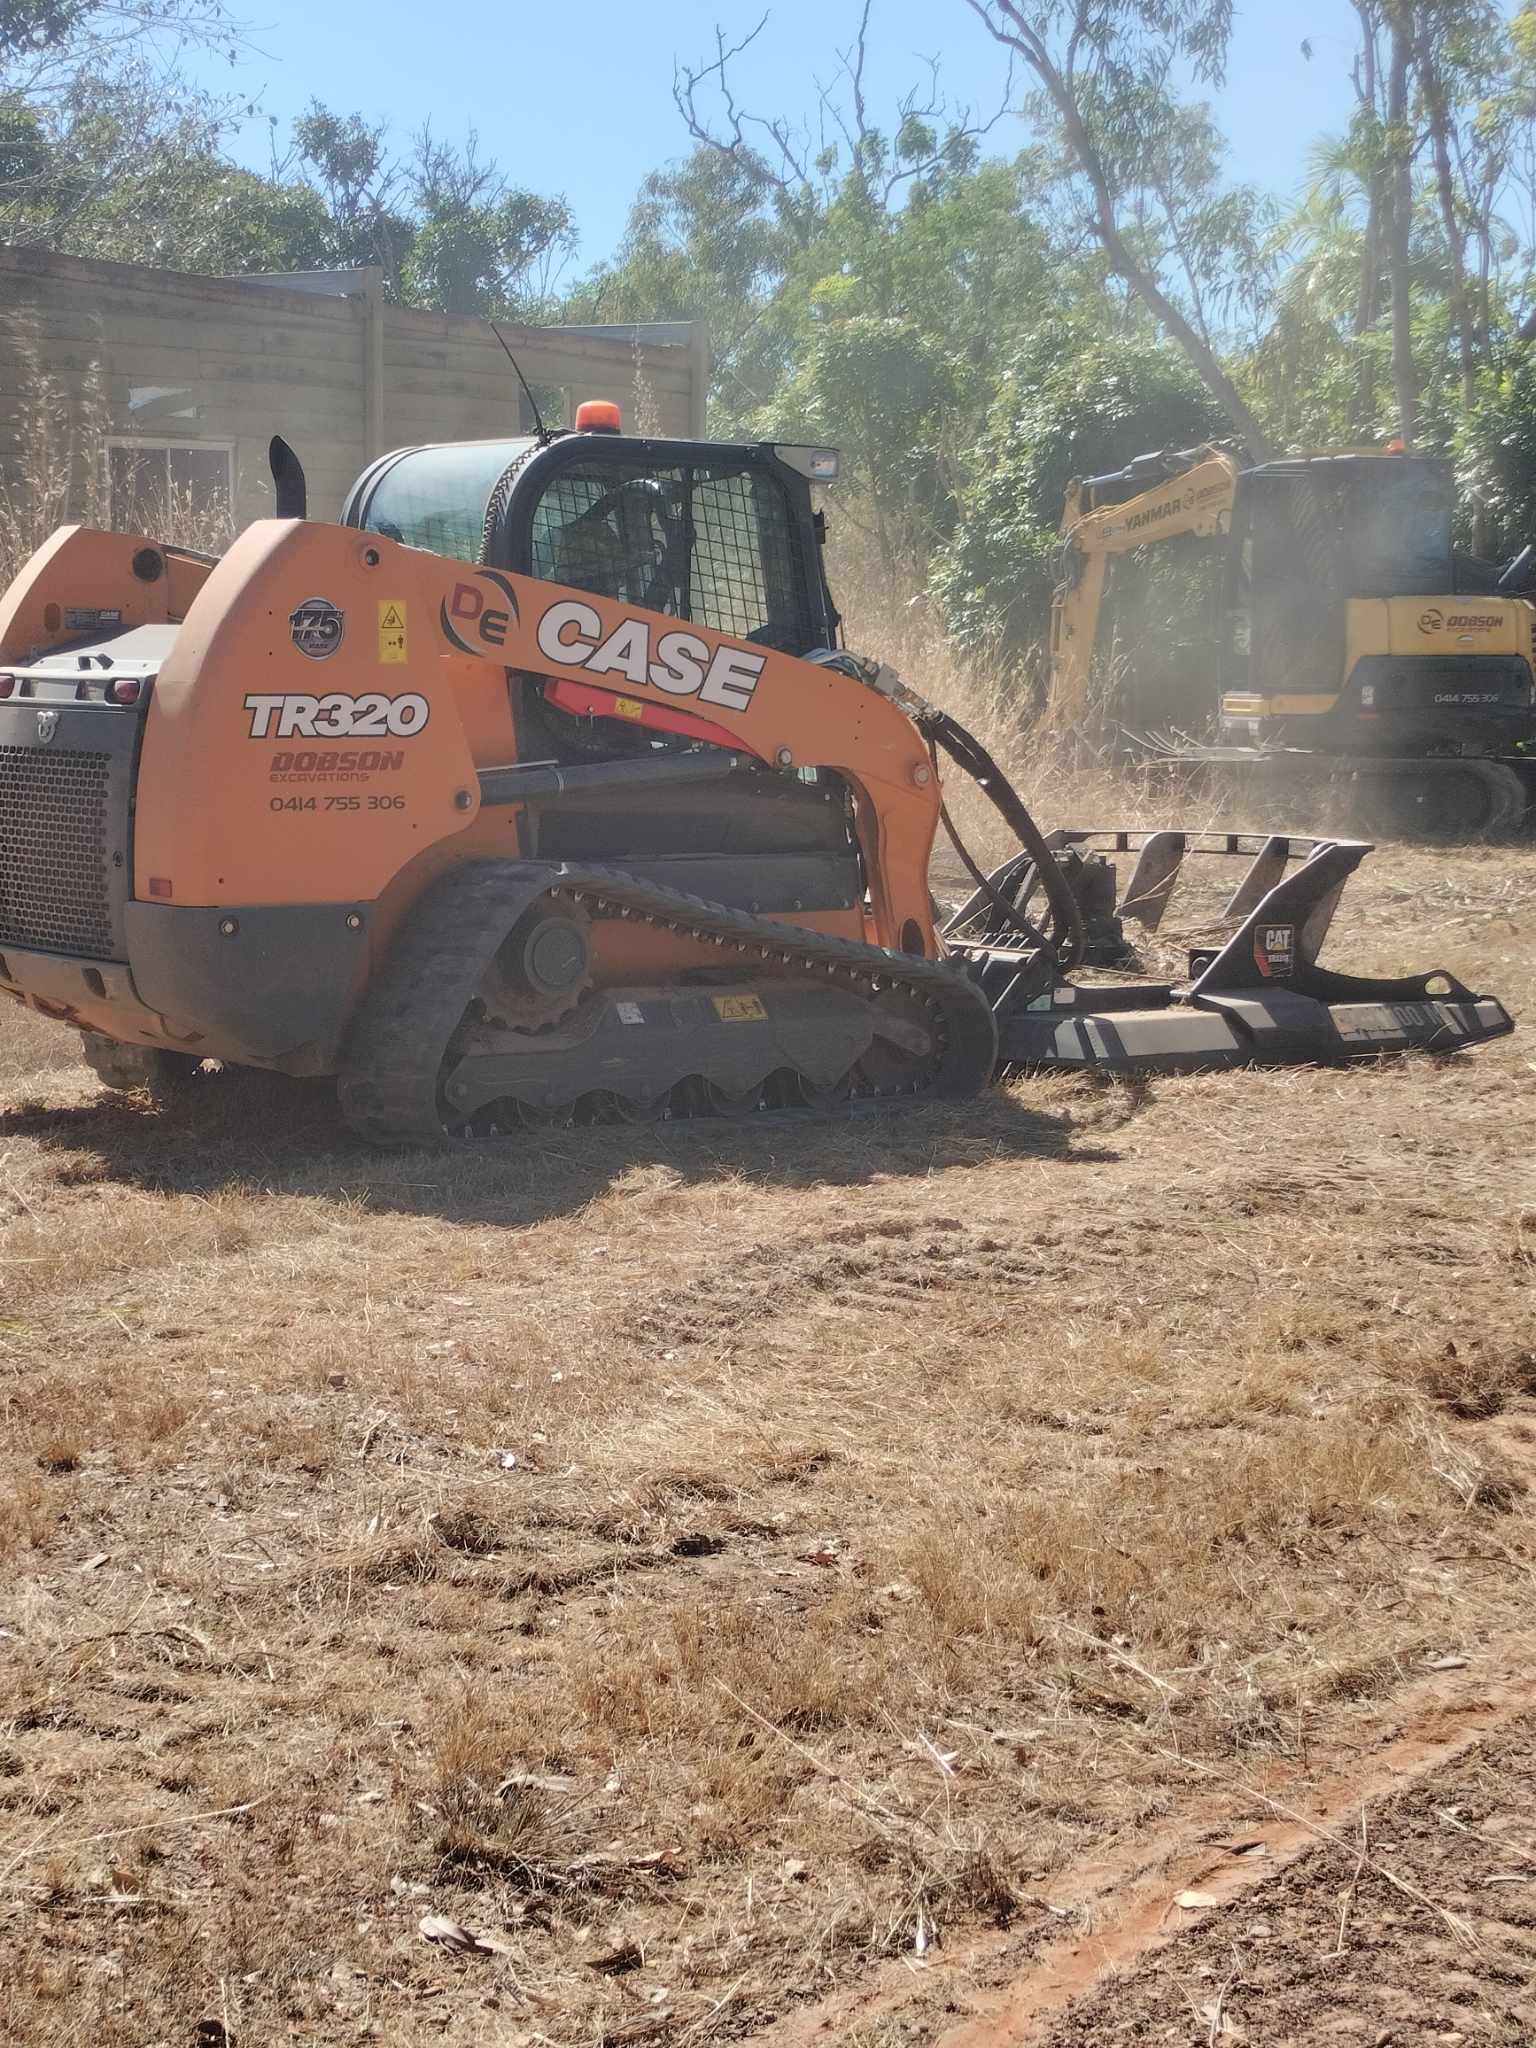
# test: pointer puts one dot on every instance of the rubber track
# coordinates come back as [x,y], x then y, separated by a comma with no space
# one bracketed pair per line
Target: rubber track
[390,1067]
[1508,793]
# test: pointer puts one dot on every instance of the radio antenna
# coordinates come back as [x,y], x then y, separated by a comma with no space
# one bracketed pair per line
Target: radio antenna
[545,436]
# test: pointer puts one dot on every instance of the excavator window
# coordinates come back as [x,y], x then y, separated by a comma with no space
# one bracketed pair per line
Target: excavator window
[1398,517]
[1287,585]
[1308,536]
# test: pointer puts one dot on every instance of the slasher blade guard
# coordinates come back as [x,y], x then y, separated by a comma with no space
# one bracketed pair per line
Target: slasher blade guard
[1258,997]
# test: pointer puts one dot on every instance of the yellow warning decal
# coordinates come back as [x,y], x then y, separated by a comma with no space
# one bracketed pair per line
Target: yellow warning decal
[738,1009]
[628,707]
[392,629]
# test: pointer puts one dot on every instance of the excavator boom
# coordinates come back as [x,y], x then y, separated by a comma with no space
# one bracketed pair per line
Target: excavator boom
[1110,515]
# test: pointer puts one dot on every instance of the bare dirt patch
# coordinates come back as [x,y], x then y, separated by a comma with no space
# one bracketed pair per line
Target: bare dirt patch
[704,1565]
[1412,1922]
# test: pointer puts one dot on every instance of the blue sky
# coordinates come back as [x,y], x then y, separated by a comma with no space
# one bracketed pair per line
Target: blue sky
[581,103]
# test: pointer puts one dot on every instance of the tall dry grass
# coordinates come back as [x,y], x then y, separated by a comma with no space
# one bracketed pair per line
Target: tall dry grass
[57,473]
[57,469]
[1071,773]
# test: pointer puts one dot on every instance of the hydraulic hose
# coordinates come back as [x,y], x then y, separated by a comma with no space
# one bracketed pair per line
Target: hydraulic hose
[1063,935]
[1020,871]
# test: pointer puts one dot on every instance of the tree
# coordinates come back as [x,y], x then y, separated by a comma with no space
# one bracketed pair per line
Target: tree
[889,395]
[30,28]
[1070,403]
[863,280]
[1399,149]
[1103,69]
[1431,150]
[46,46]
[1498,460]
[703,242]
[116,165]
[347,160]
[480,245]
[93,101]
[907,319]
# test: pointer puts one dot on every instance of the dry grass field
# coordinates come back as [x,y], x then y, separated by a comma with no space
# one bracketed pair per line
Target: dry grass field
[685,1569]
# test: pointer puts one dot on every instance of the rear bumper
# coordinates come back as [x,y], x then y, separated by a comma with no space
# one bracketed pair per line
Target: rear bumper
[269,985]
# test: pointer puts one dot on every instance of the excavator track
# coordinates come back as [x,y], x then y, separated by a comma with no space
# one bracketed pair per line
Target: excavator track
[1450,797]
[409,1074]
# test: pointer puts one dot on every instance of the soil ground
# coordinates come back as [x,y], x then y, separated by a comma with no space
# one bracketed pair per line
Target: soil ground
[699,1584]
[1417,1925]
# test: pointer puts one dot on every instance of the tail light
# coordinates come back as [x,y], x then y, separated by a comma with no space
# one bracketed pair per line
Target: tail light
[125,690]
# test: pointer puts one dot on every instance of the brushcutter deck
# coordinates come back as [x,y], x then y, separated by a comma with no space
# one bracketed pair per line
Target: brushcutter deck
[1256,997]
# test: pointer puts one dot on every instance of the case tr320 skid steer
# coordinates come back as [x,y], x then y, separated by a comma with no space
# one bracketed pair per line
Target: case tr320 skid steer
[539,788]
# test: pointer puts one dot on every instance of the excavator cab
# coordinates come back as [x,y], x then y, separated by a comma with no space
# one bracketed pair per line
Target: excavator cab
[1310,535]
[1347,628]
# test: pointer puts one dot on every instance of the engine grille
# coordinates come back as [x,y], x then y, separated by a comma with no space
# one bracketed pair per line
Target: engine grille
[54,820]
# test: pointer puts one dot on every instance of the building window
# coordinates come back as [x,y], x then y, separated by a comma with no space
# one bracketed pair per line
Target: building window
[173,490]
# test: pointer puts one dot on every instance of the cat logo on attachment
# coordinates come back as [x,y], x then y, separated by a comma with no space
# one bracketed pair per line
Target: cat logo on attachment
[1274,951]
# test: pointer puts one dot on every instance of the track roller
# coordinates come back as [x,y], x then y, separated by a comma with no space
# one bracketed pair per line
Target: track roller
[484,1019]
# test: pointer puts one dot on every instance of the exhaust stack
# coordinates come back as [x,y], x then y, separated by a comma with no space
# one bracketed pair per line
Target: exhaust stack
[290,491]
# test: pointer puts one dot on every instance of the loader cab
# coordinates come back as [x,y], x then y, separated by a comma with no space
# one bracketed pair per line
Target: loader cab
[723,534]
[718,533]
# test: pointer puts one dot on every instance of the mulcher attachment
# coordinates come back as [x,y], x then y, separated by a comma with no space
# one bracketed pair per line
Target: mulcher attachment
[1259,998]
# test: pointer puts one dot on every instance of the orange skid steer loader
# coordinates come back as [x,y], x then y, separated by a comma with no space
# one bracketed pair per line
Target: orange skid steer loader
[540,788]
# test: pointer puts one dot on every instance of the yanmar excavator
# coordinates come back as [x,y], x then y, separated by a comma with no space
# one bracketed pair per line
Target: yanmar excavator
[1353,638]
[539,788]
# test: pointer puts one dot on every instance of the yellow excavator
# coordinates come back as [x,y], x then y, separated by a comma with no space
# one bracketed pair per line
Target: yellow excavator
[1353,638]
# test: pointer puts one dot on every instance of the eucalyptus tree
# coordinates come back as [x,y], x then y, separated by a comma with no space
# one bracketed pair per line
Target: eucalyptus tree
[1145,166]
